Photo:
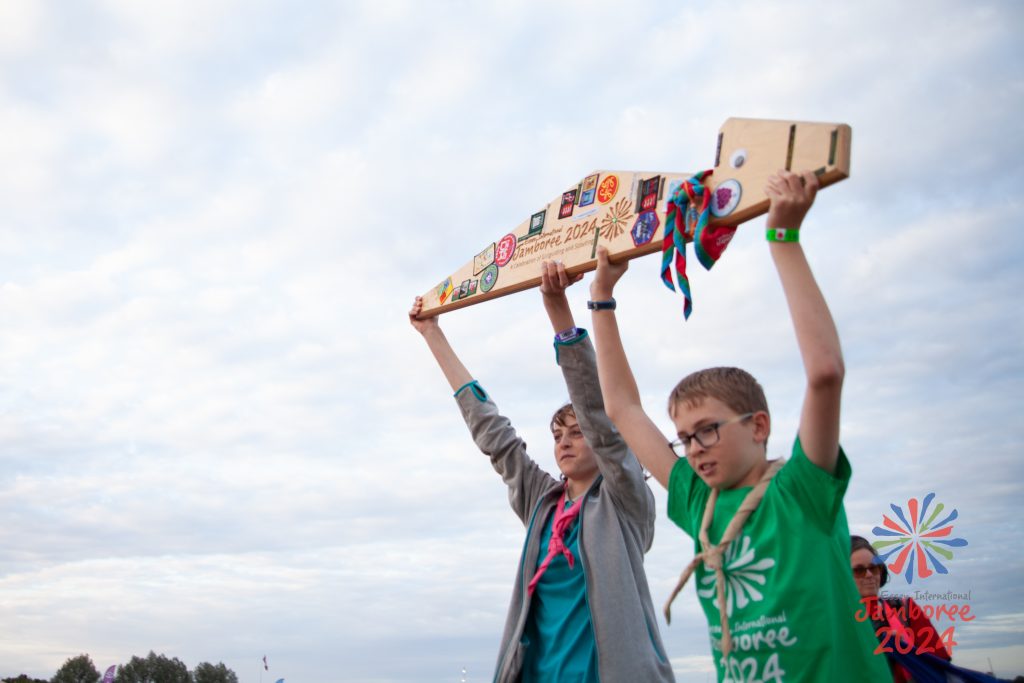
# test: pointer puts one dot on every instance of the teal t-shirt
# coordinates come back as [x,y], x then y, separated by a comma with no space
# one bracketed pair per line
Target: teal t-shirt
[790,595]
[559,636]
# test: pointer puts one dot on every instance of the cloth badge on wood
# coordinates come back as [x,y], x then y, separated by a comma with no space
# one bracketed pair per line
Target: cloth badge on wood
[689,210]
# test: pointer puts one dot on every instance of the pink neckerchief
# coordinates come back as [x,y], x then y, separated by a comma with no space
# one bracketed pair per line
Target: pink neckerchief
[563,518]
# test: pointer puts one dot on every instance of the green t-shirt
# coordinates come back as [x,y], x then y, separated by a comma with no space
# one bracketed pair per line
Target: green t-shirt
[790,595]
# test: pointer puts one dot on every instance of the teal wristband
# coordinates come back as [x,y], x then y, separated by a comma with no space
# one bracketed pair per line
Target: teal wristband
[782,235]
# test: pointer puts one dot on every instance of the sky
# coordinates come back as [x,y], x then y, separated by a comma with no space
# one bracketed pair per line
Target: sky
[221,439]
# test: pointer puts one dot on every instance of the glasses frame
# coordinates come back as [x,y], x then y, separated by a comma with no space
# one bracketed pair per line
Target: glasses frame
[681,446]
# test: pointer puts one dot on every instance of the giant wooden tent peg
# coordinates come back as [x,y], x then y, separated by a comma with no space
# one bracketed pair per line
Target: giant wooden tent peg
[625,211]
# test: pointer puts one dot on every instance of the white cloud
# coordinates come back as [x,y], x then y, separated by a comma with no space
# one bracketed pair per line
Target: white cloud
[213,409]
[20,24]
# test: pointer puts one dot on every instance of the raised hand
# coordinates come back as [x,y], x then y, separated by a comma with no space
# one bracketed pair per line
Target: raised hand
[608,274]
[421,326]
[554,279]
[791,197]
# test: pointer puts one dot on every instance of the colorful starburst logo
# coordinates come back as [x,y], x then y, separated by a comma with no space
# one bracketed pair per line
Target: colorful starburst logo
[917,544]
[742,576]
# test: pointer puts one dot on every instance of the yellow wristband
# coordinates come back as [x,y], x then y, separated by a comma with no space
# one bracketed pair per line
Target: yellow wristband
[782,235]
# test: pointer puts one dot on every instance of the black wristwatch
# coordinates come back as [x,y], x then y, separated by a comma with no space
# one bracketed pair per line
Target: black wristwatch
[608,305]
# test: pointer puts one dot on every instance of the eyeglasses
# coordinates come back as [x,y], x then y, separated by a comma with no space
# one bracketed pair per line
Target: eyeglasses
[707,436]
[861,572]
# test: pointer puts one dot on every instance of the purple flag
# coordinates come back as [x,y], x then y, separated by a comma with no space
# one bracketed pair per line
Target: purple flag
[109,676]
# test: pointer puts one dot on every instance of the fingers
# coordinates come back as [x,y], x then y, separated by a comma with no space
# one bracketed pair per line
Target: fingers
[414,312]
[794,183]
[811,185]
[790,195]
[545,276]
[606,268]
[555,278]
[803,185]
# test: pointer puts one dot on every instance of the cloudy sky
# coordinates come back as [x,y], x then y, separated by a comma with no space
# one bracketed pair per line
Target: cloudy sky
[220,438]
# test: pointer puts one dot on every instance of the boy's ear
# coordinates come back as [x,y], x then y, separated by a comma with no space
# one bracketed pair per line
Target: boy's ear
[762,425]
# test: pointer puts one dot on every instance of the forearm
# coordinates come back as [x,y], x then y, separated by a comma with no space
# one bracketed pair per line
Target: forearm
[577,359]
[815,330]
[454,371]
[622,473]
[820,352]
[559,313]
[622,401]
[618,385]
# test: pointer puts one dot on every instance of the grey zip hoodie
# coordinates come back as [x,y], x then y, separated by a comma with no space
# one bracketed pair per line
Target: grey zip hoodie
[616,527]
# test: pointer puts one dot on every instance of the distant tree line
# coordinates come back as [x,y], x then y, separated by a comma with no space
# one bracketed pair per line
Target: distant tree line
[153,668]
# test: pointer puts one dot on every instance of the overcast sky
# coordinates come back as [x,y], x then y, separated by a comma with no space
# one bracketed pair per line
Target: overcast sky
[219,437]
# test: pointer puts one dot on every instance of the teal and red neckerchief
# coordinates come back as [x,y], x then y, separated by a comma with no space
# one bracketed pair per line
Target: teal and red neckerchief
[689,211]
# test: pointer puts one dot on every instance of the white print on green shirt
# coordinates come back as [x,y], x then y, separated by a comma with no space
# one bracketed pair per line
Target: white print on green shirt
[742,576]
[745,670]
[751,636]
[768,639]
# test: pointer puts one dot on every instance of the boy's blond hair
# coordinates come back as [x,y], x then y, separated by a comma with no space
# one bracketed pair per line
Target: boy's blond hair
[734,387]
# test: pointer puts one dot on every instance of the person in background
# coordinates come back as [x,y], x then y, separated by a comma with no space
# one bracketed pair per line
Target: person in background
[892,618]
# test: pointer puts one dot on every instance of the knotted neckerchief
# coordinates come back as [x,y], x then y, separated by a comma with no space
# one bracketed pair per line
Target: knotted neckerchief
[712,554]
[563,518]
[685,222]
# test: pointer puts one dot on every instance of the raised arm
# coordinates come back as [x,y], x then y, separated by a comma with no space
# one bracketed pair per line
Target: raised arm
[553,283]
[492,432]
[618,386]
[454,371]
[791,197]
[622,473]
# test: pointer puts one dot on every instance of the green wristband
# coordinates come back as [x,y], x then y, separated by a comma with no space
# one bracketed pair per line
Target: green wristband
[782,235]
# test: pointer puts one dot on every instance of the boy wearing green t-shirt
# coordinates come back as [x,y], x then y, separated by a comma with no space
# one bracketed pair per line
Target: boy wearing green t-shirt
[780,572]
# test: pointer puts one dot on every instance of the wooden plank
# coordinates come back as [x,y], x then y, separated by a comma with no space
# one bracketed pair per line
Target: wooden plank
[625,210]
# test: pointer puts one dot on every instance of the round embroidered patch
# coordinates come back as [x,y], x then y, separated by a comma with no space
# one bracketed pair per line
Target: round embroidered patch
[726,197]
[488,278]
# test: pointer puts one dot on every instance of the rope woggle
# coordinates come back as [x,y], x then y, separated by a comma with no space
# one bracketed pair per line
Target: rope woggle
[685,222]
[711,554]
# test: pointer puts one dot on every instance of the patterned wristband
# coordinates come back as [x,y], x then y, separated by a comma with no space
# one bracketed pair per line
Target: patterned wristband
[782,235]
[571,334]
